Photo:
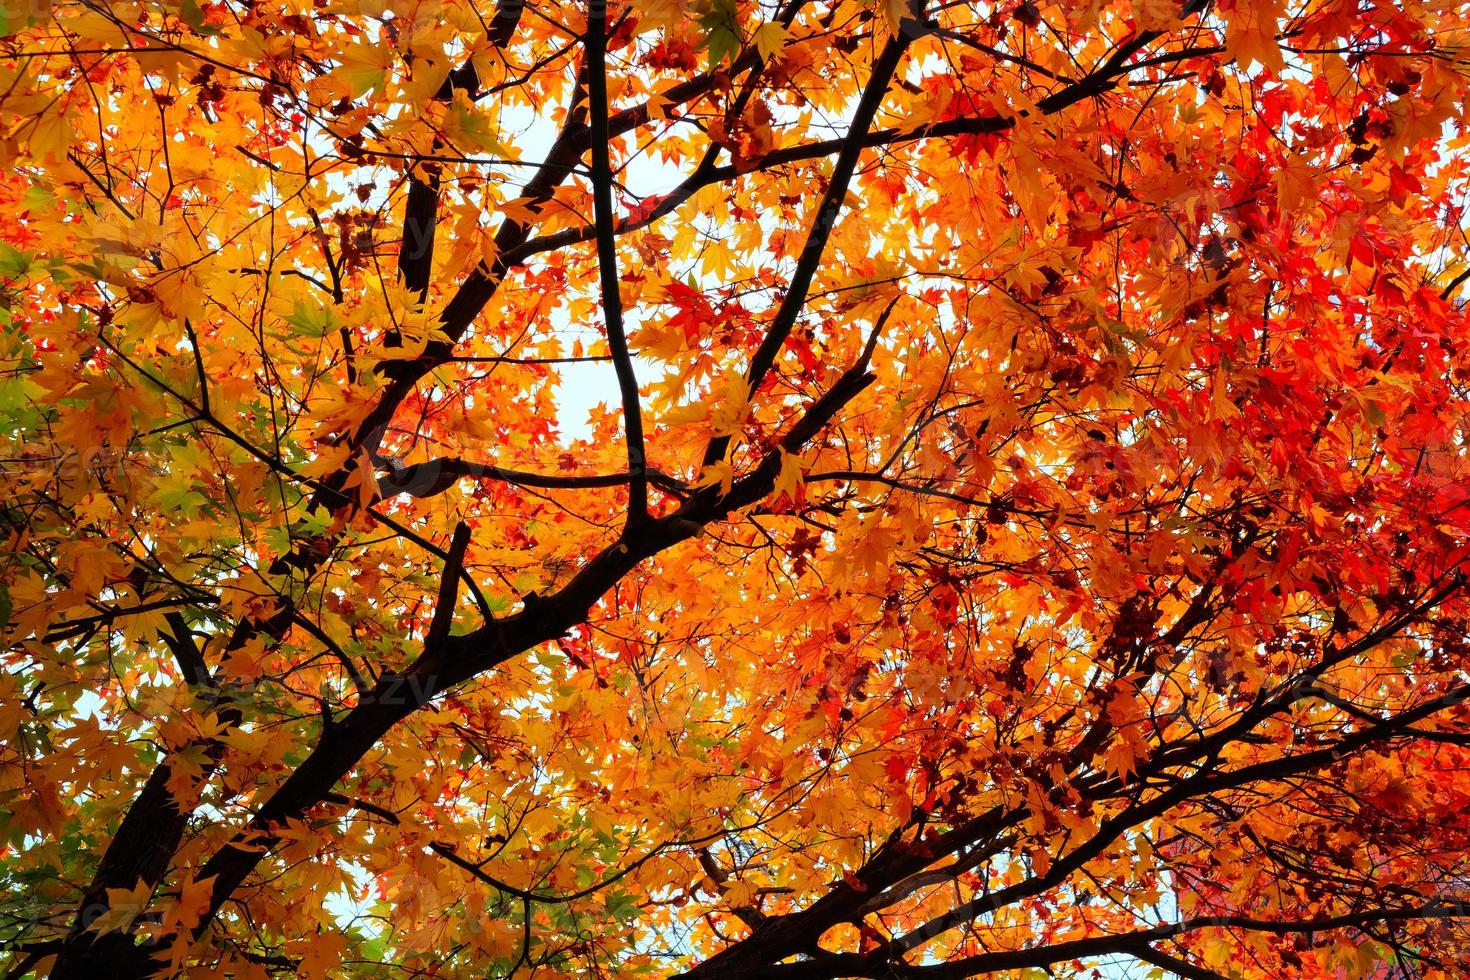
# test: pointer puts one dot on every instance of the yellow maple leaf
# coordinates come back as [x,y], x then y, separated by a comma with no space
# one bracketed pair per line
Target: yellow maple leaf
[364,65]
[124,905]
[719,473]
[790,477]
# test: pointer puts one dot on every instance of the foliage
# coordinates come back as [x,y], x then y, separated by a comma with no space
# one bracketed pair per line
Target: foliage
[1025,528]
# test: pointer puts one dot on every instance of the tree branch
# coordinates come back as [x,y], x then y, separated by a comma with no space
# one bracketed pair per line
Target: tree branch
[607,261]
[822,226]
[448,588]
[437,475]
[1183,968]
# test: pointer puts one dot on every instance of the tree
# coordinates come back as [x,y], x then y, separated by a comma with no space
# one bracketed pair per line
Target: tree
[1028,530]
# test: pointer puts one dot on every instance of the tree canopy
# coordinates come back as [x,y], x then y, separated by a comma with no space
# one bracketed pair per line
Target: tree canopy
[1019,528]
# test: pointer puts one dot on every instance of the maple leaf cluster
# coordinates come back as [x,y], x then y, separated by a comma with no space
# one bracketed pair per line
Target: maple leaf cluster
[1020,524]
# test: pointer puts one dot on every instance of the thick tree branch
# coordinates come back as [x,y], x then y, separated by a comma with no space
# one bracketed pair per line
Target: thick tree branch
[437,475]
[459,658]
[881,964]
[503,24]
[448,588]
[607,261]
[1181,968]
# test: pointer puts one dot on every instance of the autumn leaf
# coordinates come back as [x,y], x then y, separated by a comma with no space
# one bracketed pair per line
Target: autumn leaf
[124,907]
[715,489]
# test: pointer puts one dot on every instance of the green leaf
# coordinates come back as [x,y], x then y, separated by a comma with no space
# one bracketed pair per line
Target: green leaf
[191,13]
[470,129]
[721,31]
[18,16]
[13,262]
[311,321]
[1372,411]
[623,906]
